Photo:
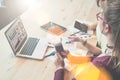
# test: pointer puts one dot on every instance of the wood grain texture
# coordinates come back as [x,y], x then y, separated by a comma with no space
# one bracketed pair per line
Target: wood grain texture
[63,12]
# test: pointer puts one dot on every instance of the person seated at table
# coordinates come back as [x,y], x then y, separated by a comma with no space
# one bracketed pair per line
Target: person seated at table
[101,39]
[110,27]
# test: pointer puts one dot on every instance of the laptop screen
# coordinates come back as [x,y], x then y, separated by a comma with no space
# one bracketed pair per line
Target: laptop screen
[16,35]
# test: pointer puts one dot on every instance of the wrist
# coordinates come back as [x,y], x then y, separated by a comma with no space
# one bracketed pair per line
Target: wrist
[60,67]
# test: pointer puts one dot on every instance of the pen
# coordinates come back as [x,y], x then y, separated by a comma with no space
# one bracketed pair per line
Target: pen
[51,54]
[74,33]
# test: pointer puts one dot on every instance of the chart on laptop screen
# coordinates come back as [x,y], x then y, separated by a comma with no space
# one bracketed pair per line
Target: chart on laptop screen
[16,35]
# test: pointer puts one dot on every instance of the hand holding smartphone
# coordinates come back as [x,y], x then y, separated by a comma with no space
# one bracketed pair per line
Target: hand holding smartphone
[59,49]
[81,27]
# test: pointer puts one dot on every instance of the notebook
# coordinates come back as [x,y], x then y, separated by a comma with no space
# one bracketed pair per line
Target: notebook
[25,46]
[53,28]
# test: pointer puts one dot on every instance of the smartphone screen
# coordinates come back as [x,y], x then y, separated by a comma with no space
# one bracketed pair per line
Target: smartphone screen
[59,47]
[81,26]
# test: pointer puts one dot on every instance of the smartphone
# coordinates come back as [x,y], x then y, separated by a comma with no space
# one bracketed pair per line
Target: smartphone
[81,27]
[59,47]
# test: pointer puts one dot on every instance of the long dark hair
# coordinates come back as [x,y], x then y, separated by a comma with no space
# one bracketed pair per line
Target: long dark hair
[112,15]
[111,10]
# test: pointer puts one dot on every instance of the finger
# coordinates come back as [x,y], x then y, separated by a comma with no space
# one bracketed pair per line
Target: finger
[66,51]
[63,53]
[71,37]
[86,24]
[59,56]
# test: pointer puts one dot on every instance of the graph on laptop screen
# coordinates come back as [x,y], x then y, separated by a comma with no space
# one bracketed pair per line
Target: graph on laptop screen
[16,35]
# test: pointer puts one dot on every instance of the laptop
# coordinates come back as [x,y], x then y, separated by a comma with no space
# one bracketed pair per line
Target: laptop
[25,46]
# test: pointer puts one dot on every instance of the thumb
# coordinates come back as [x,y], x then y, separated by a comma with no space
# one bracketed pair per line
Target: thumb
[59,56]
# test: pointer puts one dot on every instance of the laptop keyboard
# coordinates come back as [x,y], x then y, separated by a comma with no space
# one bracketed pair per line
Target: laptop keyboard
[29,46]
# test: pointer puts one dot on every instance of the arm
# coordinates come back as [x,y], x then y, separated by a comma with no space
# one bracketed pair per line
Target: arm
[95,50]
[91,26]
[59,74]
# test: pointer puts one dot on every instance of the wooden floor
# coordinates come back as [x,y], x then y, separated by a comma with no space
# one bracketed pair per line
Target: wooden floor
[63,12]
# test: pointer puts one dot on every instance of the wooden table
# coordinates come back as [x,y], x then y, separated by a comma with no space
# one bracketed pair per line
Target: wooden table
[15,68]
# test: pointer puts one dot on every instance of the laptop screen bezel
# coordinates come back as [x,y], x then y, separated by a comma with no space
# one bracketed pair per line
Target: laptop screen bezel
[23,41]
